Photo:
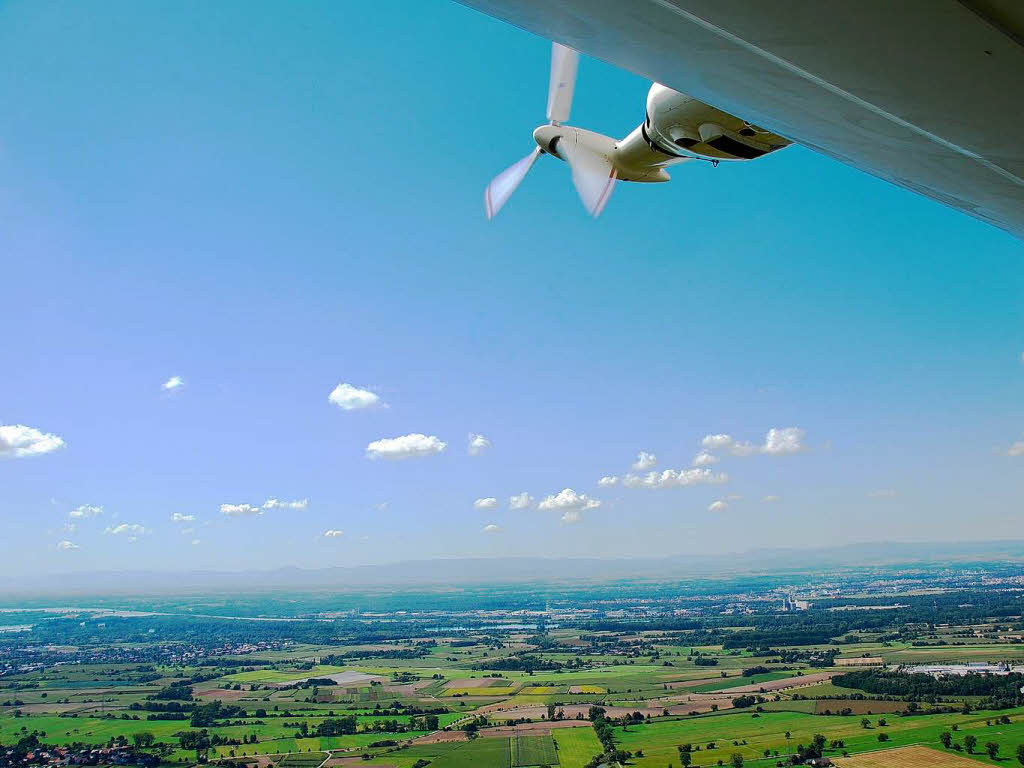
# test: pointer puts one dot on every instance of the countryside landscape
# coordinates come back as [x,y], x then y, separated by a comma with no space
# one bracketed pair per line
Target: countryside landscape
[860,667]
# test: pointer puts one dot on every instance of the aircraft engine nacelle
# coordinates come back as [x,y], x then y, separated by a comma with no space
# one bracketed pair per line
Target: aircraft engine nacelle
[679,124]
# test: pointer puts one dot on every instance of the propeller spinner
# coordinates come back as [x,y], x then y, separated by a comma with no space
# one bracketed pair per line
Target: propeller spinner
[592,172]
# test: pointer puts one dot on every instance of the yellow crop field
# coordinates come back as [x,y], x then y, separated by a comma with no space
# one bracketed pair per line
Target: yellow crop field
[587,689]
[906,757]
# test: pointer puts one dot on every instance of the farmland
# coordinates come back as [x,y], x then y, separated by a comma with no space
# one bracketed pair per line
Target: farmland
[444,683]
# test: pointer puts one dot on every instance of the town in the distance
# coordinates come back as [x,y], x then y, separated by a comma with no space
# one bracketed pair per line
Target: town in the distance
[912,664]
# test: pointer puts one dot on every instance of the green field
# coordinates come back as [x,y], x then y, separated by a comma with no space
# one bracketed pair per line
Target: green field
[479,753]
[302,760]
[576,746]
[659,739]
[533,750]
[736,682]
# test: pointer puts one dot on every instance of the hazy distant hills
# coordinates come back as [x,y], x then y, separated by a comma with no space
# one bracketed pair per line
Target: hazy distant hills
[515,569]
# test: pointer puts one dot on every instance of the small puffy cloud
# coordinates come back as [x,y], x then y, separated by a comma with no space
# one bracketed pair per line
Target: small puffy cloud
[276,504]
[571,516]
[608,481]
[673,478]
[126,529]
[196,542]
[644,461]
[477,444]
[779,442]
[716,441]
[492,528]
[350,398]
[883,493]
[333,533]
[1017,449]
[85,510]
[405,447]
[770,499]
[704,459]
[520,501]
[489,503]
[717,506]
[18,442]
[173,384]
[67,545]
[177,517]
[568,499]
[240,510]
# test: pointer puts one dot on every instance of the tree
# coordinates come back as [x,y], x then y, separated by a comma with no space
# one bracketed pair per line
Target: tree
[1020,754]
[883,736]
[864,722]
[992,748]
[946,738]
[142,739]
[970,742]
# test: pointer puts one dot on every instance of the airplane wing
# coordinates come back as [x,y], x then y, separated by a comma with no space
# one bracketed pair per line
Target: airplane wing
[927,94]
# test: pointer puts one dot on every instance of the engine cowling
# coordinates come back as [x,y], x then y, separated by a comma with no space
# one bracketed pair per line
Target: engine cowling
[677,124]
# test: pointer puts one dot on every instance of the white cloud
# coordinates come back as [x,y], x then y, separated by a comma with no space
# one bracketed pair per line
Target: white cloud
[173,384]
[126,529]
[717,506]
[568,499]
[883,493]
[489,503]
[350,398]
[771,499]
[704,459]
[405,447]
[608,481]
[742,449]
[85,510]
[779,442]
[1017,449]
[492,528]
[177,517]
[644,461]
[196,542]
[571,516]
[672,478]
[276,504]
[716,441]
[477,444]
[333,533]
[240,510]
[18,441]
[520,501]
[67,545]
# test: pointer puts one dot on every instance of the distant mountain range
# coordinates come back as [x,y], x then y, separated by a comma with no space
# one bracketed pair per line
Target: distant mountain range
[463,571]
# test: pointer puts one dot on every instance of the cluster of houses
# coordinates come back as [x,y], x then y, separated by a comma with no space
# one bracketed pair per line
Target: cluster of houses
[124,755]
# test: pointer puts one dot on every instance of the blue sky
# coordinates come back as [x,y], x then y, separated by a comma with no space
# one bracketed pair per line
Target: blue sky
[269,200]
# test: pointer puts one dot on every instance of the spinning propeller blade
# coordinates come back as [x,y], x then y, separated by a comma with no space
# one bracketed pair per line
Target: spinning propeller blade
[504,184]
[564,62]
[593,175]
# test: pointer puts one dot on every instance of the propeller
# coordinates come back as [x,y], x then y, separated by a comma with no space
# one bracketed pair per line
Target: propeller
[592,173]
